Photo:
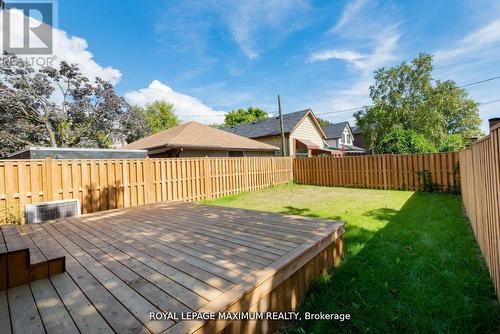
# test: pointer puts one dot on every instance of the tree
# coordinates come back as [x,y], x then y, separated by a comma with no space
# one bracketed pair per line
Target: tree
[406,97]
[323,122]
[134,125]
[404,141]
[244,115]
[454,142]
[160,115]
[56,107]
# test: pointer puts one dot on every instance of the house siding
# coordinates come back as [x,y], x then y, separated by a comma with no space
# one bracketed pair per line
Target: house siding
[308,131]
[209,154]
[275,141]
[222,153]
[359,141]
[335,143]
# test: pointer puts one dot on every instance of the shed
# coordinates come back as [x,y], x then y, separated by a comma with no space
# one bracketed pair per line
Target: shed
[76,153]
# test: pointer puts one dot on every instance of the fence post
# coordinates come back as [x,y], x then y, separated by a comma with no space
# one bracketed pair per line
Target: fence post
[207,170]
[273,171]
[245,171]
[146,182]
[49,192]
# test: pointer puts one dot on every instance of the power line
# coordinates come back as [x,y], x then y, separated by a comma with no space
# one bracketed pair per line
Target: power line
[461,86]
[340,111]
[479,82]
[489,102]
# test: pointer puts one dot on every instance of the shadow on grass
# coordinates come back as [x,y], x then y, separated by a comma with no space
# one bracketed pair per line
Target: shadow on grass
[291,210]
[420,273]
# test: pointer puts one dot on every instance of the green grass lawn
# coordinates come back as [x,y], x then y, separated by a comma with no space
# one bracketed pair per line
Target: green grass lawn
[411,262]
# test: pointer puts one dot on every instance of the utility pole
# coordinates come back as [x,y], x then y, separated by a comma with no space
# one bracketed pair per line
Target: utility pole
[283,147]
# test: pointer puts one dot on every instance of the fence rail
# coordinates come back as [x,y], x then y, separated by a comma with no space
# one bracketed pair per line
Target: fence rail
[480,170]
[417,172]
[109,184]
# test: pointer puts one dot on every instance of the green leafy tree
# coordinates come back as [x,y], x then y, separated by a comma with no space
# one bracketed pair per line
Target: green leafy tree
[404,141]
[244,115]
[56,106]
[323,122]
[407,97]
[160,115]
[452,143]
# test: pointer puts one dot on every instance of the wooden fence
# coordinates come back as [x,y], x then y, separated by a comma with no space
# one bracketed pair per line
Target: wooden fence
[110,184]
[480,170]
[417,172]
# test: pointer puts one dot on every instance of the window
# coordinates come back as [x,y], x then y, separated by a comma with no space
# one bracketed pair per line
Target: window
[343,138]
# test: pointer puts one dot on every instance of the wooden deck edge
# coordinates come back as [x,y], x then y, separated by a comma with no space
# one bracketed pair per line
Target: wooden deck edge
[16,268]
[257,287]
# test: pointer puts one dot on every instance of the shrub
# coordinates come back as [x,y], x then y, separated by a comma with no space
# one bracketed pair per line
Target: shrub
[452,143]
[11,215]
[400,141]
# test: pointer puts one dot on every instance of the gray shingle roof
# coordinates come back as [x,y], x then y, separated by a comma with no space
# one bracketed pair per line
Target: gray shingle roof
[335,130]
[356,130]
[267,127]
[352,148]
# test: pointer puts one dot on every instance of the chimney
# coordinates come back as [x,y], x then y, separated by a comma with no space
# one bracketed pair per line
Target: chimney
[494,123]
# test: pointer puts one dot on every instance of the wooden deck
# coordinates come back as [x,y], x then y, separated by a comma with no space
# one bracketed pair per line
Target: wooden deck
[170,257]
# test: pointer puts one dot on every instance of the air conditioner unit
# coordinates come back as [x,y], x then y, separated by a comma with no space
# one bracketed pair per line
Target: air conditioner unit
[40,212]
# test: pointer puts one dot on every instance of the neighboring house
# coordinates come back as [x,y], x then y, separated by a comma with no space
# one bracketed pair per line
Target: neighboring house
[304,136]
[359,139]
[193,139]
[339,136]
[76,153]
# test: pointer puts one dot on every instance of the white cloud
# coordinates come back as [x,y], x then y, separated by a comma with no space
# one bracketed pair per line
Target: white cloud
[474,43]
[361,23]
[68,48]
[471,58]
[347,55]
[348,14]
[188,108]
[255,26]
[248,19]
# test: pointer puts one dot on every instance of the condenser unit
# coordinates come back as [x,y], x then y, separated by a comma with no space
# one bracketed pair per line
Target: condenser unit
[40,212]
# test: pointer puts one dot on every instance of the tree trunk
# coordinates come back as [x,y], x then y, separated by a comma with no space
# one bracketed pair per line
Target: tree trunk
[52,136]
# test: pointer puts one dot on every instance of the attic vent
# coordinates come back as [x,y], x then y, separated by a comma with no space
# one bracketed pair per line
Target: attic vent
[37,213]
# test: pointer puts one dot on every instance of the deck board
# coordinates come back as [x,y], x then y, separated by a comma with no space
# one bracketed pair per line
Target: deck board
[188,246]
[169,257]
[4,313]
[56,319]
[134,236]
[24,314]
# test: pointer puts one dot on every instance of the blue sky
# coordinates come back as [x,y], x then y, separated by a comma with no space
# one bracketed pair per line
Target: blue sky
[212,56]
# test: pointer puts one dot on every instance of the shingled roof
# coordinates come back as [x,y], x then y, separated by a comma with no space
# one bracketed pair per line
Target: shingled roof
[356,130]
[199,136]
[269,126]
[334,131]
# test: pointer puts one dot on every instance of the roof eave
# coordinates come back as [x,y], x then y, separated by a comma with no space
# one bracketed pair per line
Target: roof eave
[315,121]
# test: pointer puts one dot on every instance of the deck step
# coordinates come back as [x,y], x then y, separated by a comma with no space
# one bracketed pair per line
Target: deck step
[21,261]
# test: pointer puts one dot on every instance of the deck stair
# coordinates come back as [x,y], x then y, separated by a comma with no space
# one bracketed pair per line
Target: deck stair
[21,261]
